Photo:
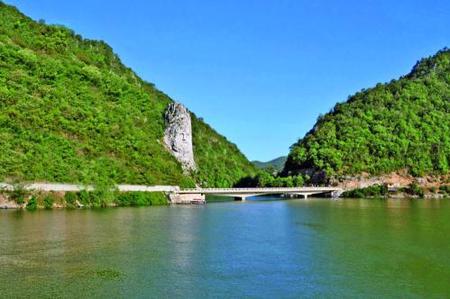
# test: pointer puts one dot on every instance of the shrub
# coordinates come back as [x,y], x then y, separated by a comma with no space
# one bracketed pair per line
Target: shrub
[158,199]
[70,198]
[32,204]
[267,179]
[18,194]
[444,189]
[48,202]
[19,200]
[125,199]
[371,191]
[97,199]
[414,189]
[84,198]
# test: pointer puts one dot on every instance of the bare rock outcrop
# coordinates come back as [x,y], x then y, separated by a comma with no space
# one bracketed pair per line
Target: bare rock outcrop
[178,135]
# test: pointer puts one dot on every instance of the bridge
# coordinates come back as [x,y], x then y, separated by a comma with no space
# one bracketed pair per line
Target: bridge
[187,195]
[243,193]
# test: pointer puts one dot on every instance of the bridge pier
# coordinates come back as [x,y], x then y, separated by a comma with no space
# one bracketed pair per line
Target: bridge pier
[336,194]
[240,198]
[175,198]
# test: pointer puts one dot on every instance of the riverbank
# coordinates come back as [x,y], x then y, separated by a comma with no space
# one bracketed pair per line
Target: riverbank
[86,200]
[20,199]
[406,192]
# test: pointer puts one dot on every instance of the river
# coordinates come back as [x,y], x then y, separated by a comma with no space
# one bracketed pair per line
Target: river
[258,248]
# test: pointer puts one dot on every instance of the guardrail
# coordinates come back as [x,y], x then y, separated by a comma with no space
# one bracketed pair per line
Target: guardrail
[259,190]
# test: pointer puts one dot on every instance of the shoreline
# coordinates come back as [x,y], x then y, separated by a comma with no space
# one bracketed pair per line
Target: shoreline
[9,204]
[35,200]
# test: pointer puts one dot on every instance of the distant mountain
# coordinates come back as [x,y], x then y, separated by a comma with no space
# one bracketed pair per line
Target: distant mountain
[70,111]
[277,163]
[400,125]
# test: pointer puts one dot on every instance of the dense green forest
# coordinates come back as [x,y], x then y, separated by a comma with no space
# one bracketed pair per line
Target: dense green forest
[403,124]
[219,162]
[274,165]
[70,111]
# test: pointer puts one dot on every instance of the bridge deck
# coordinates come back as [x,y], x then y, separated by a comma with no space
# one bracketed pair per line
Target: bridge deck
[275,190]
[58,187]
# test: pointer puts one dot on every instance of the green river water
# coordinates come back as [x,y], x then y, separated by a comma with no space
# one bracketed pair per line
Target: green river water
[256,249]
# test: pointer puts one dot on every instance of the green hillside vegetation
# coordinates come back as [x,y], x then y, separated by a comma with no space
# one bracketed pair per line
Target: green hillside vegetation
[219,162]
[70,111]
[276,164]
[403,124]
[265,178]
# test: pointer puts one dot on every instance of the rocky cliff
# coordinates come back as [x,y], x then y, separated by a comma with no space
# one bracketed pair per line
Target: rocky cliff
[178,135]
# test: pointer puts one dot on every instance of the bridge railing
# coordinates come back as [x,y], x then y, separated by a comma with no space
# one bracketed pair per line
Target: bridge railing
[259,190]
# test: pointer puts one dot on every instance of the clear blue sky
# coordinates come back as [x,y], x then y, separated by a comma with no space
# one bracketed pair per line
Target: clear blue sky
[260,72]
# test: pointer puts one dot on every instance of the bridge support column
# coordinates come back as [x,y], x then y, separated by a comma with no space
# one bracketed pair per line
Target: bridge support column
[336,194]
[176,198]
[240,198]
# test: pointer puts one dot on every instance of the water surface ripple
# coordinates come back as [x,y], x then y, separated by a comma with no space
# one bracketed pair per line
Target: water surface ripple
[258,248]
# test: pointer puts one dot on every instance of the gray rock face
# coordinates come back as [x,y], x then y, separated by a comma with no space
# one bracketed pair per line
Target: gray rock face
[178,135]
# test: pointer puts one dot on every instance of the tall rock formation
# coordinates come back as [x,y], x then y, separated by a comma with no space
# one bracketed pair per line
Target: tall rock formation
[178,135]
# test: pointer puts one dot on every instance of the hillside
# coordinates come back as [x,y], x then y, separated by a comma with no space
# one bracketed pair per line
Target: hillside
[70,111]
[401,125]
[277,164]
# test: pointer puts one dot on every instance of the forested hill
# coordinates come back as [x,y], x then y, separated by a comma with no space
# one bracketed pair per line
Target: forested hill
[276,164]
[400,125]
[70,111]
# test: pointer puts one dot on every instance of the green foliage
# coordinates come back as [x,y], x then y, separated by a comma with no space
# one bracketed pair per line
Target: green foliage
[84,198]
[18,194]
[414,189]
[48,202]
[70,111]
[445,189]
[273,166]
[32,204]
[126,199]
[101,198]
[403,124]
[371,191]
[103,195]
[219,162]
[70,199]
[267,179]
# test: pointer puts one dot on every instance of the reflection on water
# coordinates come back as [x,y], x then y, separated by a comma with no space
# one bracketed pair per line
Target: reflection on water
[258,248]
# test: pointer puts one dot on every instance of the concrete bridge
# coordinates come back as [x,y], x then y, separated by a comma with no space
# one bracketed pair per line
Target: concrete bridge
[178,195]
[242,193]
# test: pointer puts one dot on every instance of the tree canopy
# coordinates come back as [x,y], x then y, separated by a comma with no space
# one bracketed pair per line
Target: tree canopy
[70,111]
[403,124]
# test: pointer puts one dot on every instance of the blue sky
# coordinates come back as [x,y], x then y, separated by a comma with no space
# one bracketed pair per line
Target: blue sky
[260,72]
